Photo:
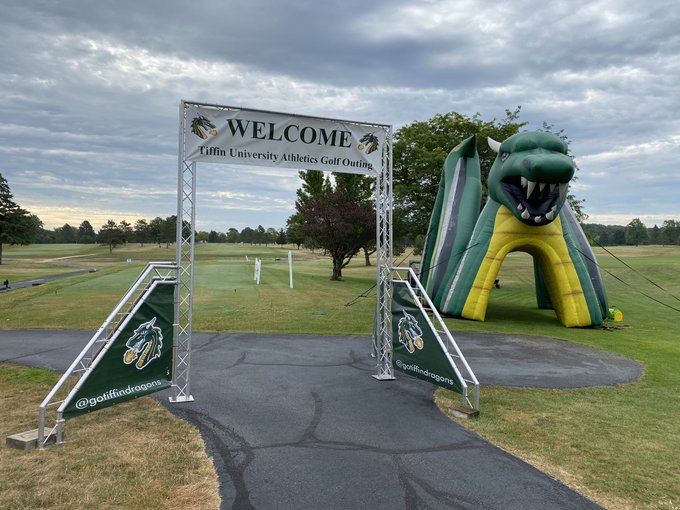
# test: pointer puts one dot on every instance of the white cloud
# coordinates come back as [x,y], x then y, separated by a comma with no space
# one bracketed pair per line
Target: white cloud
[644,149]
[624,219]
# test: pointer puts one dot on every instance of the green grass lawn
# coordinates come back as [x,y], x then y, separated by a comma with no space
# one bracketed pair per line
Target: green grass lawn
[134,456]
[618,445]
[226,298]
[21,263]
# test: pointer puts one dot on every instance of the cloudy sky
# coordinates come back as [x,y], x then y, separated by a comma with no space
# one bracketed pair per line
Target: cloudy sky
[89,92]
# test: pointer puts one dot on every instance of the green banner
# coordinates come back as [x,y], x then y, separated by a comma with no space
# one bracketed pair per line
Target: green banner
[415,349]
[137,363]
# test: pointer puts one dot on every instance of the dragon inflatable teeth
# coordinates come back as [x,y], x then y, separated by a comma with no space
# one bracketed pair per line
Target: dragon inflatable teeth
[531,178]
[526,211]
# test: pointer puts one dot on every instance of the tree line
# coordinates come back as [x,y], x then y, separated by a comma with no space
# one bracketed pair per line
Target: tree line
[634,233]
[248,235]
[156,231]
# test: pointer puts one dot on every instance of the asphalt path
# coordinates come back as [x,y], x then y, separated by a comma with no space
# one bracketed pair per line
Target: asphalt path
[297,422]
[39,281]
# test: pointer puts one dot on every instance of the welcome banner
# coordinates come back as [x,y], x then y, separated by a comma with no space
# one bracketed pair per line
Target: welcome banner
[415,349]
[252,137]
[138,362]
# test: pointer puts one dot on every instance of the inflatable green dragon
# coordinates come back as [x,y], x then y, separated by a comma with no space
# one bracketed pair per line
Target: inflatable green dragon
[526,211]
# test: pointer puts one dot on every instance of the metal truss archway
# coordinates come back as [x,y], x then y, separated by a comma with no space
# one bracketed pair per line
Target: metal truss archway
[186,222]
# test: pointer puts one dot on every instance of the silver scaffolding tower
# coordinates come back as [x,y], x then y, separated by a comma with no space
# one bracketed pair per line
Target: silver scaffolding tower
[186,223]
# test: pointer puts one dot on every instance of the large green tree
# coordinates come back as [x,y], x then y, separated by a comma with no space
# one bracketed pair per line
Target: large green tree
[654,235]
[233,235]
[294,232]
[126,231]
[17,225]
[66,234]
[670,232]
[155,227]
[247,235]
[636,233]
[260,235]
[281,238]
[110,234]
[168,231]
[271,235]
[420,149]
[213,236]
[86,234]
[37,233]
[142,232]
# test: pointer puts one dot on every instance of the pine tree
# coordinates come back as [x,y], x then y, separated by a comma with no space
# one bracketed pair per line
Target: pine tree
[16,224]
[86,234]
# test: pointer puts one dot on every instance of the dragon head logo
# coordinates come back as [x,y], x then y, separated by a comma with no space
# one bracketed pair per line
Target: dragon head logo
[410,334]
[144,345]
[201,123]
[369,143]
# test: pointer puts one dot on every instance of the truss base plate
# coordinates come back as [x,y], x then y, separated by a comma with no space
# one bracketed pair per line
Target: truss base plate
[178,400]
[464,412]
[29,440]
[383,377]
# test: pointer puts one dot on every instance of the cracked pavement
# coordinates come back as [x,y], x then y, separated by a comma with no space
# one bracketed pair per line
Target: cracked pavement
[296,421]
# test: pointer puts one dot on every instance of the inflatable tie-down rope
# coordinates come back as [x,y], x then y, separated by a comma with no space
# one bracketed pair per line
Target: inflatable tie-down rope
[526,211]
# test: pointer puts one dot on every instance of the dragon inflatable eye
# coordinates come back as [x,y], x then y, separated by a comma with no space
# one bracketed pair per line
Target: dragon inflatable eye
[504,156]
